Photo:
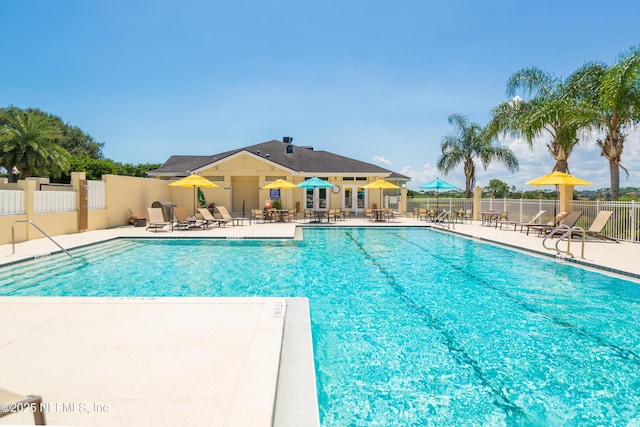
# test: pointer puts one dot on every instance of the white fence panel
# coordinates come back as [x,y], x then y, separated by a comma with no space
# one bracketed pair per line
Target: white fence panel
[96,193]
[54,201]
[11,202]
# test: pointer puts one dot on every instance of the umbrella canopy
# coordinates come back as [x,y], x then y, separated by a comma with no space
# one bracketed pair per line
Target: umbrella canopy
[279,183]
[382,185]
[437,184]
[194,181]
[315,183]
[558,178]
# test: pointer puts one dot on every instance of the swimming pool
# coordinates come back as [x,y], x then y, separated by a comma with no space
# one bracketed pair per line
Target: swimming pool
[410,326]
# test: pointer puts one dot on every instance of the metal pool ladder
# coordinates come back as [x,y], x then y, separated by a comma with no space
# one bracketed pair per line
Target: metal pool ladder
[569,231]
[13,239]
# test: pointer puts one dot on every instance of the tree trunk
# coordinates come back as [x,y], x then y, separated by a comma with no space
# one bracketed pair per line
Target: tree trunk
[562,166]
[614,171]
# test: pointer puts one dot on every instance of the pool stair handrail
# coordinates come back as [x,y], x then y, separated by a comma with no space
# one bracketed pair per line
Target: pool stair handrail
[13,239]
[568,234]
[446,218]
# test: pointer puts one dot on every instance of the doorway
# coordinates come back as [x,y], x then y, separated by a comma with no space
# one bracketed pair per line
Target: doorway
[354,198]
[316,198]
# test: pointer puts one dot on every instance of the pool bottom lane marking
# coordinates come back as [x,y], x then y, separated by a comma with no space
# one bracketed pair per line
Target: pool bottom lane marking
[622,353]
[459,354]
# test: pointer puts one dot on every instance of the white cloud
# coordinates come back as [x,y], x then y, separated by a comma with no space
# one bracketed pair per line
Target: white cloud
[419,177]
[585,162]
[382,161]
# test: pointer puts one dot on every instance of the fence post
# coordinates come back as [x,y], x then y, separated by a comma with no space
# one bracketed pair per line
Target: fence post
[521,209]
[633,221]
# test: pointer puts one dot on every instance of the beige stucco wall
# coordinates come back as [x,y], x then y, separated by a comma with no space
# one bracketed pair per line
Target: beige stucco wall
[125,194]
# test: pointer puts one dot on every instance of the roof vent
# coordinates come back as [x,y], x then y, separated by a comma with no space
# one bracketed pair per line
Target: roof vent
[258,152]
[308,147]
[287,139]
[267,155]
[289,149]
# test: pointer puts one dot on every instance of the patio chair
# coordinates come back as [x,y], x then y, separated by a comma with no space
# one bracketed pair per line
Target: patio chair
[502,217]
[569,221]
[156,220]
[207,218]
[290,215]
[334,214]
[532,221]
[467,215]
[258,215]
[181,220]
[225,217]
[346,214]
[422,213]
[553,223]
[598,224]
[11,402]
[368,214]
[389,214]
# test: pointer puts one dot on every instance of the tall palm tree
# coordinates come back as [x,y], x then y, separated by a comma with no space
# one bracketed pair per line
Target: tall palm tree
[468,143]
[554,109]
[27,141]
[615,100]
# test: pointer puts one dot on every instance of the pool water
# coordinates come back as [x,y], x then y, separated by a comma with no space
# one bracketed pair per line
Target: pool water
[411,327]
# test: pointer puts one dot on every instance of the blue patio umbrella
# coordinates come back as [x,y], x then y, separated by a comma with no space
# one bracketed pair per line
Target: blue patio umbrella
[315,182]
[437,184]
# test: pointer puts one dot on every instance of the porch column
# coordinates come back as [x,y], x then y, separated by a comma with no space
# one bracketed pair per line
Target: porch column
[403,199]
[477,196]
[566,197]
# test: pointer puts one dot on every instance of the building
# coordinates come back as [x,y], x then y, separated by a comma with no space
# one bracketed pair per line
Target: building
[241,174]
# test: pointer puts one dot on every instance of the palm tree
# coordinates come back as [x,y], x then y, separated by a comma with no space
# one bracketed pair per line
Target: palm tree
[27,141]
[615,100]
[554,109]
[468,143]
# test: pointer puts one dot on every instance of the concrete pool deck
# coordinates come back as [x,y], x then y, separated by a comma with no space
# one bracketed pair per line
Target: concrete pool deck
[188,361]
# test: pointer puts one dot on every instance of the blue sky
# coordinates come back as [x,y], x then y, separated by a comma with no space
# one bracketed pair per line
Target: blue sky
[372,80]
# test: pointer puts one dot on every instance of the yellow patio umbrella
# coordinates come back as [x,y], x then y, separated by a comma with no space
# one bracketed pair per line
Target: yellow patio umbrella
[382,185]
[194,181]
[279,183]
[557,178]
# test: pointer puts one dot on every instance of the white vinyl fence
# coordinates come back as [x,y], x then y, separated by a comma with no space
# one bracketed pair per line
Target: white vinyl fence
[11,202]
[54,201]
[623,225]
[96,192]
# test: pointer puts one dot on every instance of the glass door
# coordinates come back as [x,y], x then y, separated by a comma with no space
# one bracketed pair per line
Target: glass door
[354,198]
[317,198]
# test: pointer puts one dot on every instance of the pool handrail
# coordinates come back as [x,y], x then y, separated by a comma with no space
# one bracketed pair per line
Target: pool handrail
[568,233]
[13,239]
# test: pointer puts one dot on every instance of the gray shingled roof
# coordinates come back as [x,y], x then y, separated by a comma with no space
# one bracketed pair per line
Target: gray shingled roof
[302,159]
